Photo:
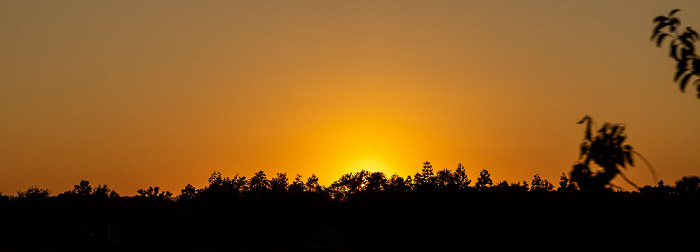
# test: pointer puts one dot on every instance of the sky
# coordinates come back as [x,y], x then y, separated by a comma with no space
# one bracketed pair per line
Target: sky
[135,94]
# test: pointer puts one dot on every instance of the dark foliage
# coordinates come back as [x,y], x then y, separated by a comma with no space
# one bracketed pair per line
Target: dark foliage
[601,156]
[682,48]
[360,211]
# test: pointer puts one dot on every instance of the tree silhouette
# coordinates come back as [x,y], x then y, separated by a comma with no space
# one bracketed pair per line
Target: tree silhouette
[445,179]
[102,191]
[258,184]
[113,194]
[539,184]
[376,181]
[83,189]
[188,193]
[312,184]
[153,192]
[220,186]
[297,185]
[426,178]
[398,184]
[484,180]
[565,184]
[682,48]
[34,192]
[280,183]
[349,183]
[460,177]
[688,185]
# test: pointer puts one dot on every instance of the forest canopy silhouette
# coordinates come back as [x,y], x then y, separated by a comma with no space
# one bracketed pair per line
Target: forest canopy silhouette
[360,210]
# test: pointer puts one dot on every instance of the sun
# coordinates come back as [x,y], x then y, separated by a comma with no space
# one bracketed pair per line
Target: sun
[351,143]
[372,164]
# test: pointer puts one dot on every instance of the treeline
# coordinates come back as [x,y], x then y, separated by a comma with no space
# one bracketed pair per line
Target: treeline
[359,211]
[355,183]
[349,184]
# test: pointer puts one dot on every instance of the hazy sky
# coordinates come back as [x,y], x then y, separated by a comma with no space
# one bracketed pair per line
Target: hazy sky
[162,93]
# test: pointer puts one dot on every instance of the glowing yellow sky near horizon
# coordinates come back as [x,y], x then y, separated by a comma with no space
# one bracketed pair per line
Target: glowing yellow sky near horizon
[162,93]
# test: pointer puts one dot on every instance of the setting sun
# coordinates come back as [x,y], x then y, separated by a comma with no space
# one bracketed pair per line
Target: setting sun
[351,144]
[369,164]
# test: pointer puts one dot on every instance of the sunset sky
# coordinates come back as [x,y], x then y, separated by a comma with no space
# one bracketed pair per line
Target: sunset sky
[163,93]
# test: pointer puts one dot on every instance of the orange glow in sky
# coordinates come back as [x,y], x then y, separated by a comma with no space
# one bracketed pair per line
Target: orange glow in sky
[163,93]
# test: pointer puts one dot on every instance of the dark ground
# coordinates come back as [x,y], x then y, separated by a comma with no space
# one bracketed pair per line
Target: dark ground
[414,221]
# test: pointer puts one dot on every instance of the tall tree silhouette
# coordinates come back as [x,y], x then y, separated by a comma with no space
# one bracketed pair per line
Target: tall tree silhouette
[349,183]
[312,184]
[682,48]
[376,181]
[539,184]
[102,191]
[188,192]
[426,178]
[688,185]
[297,185]
[565,184]
[258,184]
[83,188]
[484,180]
[460,177]
[280,183]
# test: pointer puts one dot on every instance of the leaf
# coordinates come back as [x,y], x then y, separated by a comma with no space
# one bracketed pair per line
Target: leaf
[680,70]
[653,34]
[658,28]
[620,159]
[673,22]
[696,65]
[685,54]
[690,46]
[660,39]
[584,119]
[692,33]
[630,160]
[673,53]
[684,81]
[660,19]
[673,12]
[614,131]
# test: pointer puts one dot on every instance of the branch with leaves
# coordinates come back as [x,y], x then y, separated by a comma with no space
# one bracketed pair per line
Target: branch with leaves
[604,150]
[682,48]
